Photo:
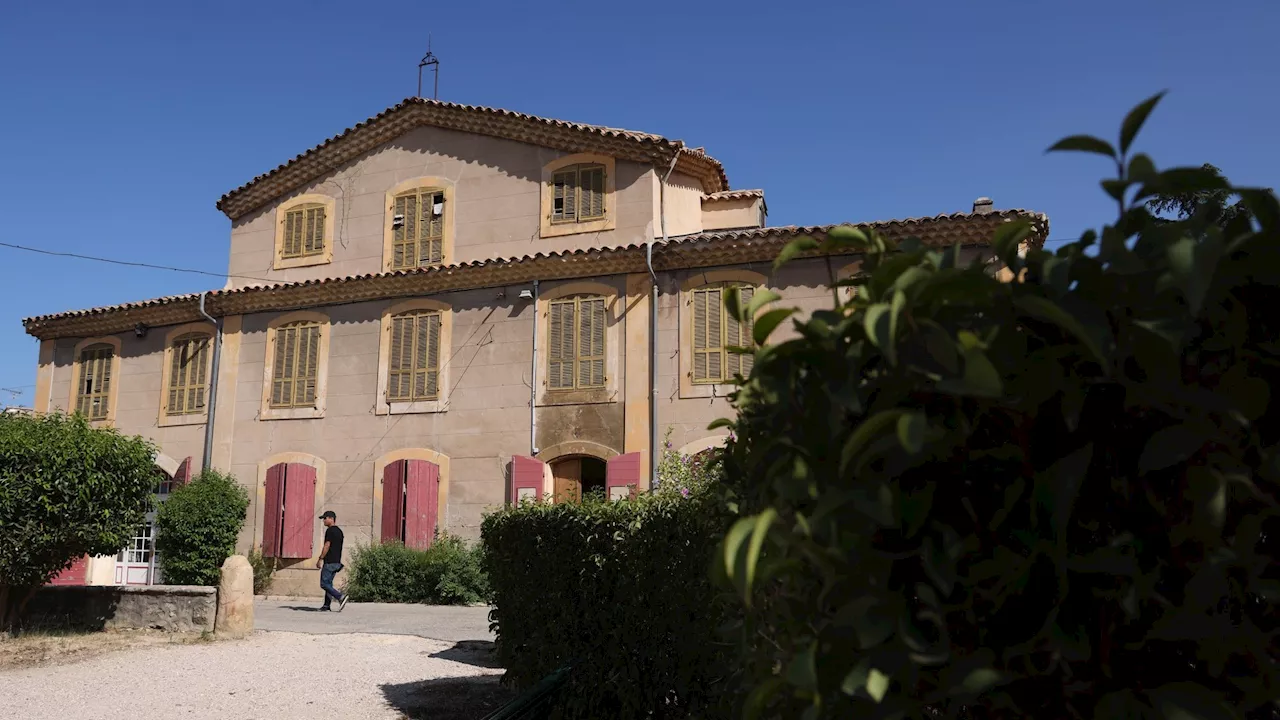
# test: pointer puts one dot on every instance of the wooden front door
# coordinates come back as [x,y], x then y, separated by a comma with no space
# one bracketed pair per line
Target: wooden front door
[568,477]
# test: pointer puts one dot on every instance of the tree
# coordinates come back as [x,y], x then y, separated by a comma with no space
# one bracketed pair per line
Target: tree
[66,490]
[1216,202]
[197,528]
[1050,498]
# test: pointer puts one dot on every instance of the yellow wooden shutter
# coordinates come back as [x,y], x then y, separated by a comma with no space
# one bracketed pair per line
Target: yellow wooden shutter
[414,365]
[564,197]
[310,344]
[188,374]
[313,238]
[400,363]
[590,342]
[295,372]
[591,186]
[94,389]
[738,335]
[400,243]
[560,337]
[430,328]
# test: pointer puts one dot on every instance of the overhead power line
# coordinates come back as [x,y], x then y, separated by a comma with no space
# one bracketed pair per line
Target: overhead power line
[131,263]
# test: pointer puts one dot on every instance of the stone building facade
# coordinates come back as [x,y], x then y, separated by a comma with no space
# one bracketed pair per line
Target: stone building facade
[446,307]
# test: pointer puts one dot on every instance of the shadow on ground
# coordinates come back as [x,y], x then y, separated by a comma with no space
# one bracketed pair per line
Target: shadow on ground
[479,653]
[301,608]
[459,698]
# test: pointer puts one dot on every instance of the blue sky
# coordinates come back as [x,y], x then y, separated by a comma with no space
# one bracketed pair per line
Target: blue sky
[121,124]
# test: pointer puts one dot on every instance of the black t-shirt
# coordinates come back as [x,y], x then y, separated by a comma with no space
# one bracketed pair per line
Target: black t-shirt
[333,536]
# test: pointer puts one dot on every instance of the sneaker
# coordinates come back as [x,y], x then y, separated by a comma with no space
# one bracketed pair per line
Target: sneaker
[342,603]
[325,608]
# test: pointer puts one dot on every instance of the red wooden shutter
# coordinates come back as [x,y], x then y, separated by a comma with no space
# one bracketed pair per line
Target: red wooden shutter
[74,575]
[621,472]
[273,511]
[422,492]
[183,474]
[299,511]
[392,501]
[526,478]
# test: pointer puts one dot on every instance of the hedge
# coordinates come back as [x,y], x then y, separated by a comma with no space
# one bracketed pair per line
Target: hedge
[197,527]
[621,590]
[1057,497]
[448,573]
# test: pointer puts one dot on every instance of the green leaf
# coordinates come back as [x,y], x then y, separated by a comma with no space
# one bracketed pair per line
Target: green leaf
[1189,701]
[767,323]
[794,248]
[1058,487]
[802,671]
[757,301]
[719,423]
[877,684]
[849,235]
[1051,312]
[981,680]
[1008,238]
[862,436]
[876,324]
[759,697]
[1134,120]
[981,379]
[895,317]
[911,427]
[856,679]
[1141,168]
[1083,143]
[759,531]
[1170,446]
[1182,180]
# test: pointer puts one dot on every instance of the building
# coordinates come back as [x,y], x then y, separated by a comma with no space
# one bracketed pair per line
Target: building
[450,306]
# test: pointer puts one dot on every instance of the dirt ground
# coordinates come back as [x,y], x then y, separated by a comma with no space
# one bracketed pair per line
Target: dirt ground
[285,675]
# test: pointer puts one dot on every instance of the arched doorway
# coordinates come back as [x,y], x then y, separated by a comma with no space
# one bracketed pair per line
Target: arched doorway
[576,476]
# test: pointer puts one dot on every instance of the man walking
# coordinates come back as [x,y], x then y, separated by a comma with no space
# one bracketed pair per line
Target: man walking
[330,560]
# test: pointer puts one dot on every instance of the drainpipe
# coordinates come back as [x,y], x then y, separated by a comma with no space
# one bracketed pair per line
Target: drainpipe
[533,380]
[212,403]
[653,327]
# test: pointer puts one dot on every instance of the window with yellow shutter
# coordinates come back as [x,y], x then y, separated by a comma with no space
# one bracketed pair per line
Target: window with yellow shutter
[188,374]
[414,367]
[417,229]
[93,389]
[577,193]
[715,332]
[296,364]
[576,343]
[303,234]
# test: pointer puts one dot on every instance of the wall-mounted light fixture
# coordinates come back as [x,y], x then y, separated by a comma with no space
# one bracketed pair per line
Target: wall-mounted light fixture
[526,294]
[140,330]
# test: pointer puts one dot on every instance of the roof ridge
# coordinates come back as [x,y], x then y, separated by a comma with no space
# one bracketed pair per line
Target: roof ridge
[480,119]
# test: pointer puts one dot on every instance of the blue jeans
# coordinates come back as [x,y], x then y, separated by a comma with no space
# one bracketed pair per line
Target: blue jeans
[326,582]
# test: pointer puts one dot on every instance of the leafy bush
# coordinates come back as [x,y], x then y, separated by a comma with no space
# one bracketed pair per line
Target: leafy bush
[621,590]
[448,573]
[66,490]
[1047,498]
[263,569]
[197,528]
[685,475]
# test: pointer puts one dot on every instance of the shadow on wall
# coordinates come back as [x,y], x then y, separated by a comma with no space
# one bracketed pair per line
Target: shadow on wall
[456,698]
[69,609]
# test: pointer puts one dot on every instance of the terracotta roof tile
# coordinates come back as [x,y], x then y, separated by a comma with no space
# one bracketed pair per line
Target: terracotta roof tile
[415,112]
[708,249]
[732,195]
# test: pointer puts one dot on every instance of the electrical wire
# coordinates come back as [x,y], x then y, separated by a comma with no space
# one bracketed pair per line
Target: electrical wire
[131,263]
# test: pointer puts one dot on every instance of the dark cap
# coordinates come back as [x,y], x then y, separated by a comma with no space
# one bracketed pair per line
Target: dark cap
[329,514]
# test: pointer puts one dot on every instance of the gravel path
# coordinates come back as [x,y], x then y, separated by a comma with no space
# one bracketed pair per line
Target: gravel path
[268,675]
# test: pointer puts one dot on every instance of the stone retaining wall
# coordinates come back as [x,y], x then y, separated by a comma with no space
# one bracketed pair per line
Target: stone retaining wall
[175,608]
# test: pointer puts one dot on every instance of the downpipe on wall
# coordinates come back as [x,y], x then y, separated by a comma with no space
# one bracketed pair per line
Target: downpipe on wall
[533,380]
[212,403]
[653,327]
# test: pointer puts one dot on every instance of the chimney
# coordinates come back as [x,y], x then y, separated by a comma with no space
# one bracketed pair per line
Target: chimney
[983,206]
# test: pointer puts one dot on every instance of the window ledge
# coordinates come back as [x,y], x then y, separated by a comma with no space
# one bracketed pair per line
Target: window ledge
[412,408]
[167,420]
[592,396]
[304,261]
[270,413]
[707,390]
[550,229]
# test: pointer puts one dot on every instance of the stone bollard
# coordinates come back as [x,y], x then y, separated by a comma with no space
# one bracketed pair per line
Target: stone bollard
[235,598]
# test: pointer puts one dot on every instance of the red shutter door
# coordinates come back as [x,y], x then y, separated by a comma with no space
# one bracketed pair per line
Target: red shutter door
[74,575]
[183,474]
[526,478]
[273,511]
[299,511]
[622,472]
[393,501]
[422,496]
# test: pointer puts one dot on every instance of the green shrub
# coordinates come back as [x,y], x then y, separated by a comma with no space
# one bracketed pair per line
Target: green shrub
[66,490]
[448,573]
[263,569]
[1052,498]
[197,528]
[685,475]
[621,590]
